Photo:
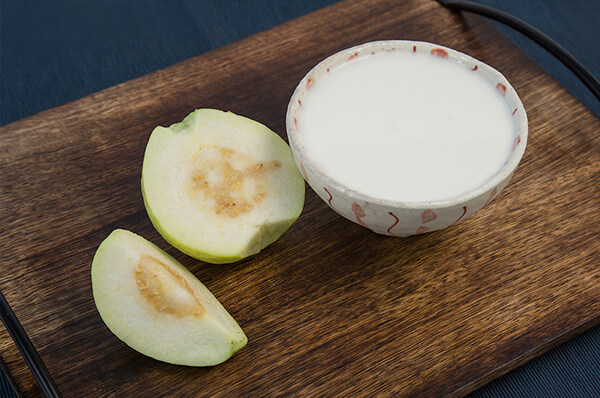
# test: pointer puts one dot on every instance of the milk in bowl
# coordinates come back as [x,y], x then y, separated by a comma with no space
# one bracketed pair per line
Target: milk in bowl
[406,137]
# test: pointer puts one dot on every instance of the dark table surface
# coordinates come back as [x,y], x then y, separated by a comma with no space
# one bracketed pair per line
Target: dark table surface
[55,52]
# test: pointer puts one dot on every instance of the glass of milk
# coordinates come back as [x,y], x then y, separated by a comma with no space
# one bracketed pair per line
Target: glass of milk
[406,137]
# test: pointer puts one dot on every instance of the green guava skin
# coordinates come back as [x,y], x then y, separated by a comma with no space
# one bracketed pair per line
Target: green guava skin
[267,233]
[205,340]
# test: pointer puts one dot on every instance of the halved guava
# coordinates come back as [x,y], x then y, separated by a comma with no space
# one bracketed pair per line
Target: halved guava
[157,307]
[220,187]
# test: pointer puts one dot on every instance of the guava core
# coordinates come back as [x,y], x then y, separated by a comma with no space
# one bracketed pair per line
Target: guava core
[157,307]
[220,187]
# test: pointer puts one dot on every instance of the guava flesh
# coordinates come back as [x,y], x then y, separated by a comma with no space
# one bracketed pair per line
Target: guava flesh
[220,187]
[157,307]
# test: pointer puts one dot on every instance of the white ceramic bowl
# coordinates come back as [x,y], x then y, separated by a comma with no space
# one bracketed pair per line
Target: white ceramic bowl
[400,218]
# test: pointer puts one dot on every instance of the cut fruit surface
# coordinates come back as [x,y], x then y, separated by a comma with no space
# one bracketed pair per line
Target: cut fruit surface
[220,187]
[157,307]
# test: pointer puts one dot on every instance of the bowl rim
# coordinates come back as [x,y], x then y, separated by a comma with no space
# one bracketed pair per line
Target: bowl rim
[521,123]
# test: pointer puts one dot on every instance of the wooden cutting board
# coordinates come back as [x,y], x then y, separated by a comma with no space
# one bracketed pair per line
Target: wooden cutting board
[330,309]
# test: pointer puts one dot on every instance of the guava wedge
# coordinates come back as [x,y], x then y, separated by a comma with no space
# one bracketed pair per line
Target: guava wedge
[220,187]
[157,307]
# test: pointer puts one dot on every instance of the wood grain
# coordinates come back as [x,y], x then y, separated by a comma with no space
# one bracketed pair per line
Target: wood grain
[330,309]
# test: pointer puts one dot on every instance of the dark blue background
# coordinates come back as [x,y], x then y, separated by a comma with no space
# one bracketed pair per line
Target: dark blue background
[55,52]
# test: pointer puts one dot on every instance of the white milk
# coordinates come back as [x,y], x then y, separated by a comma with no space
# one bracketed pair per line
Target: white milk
[408,127]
